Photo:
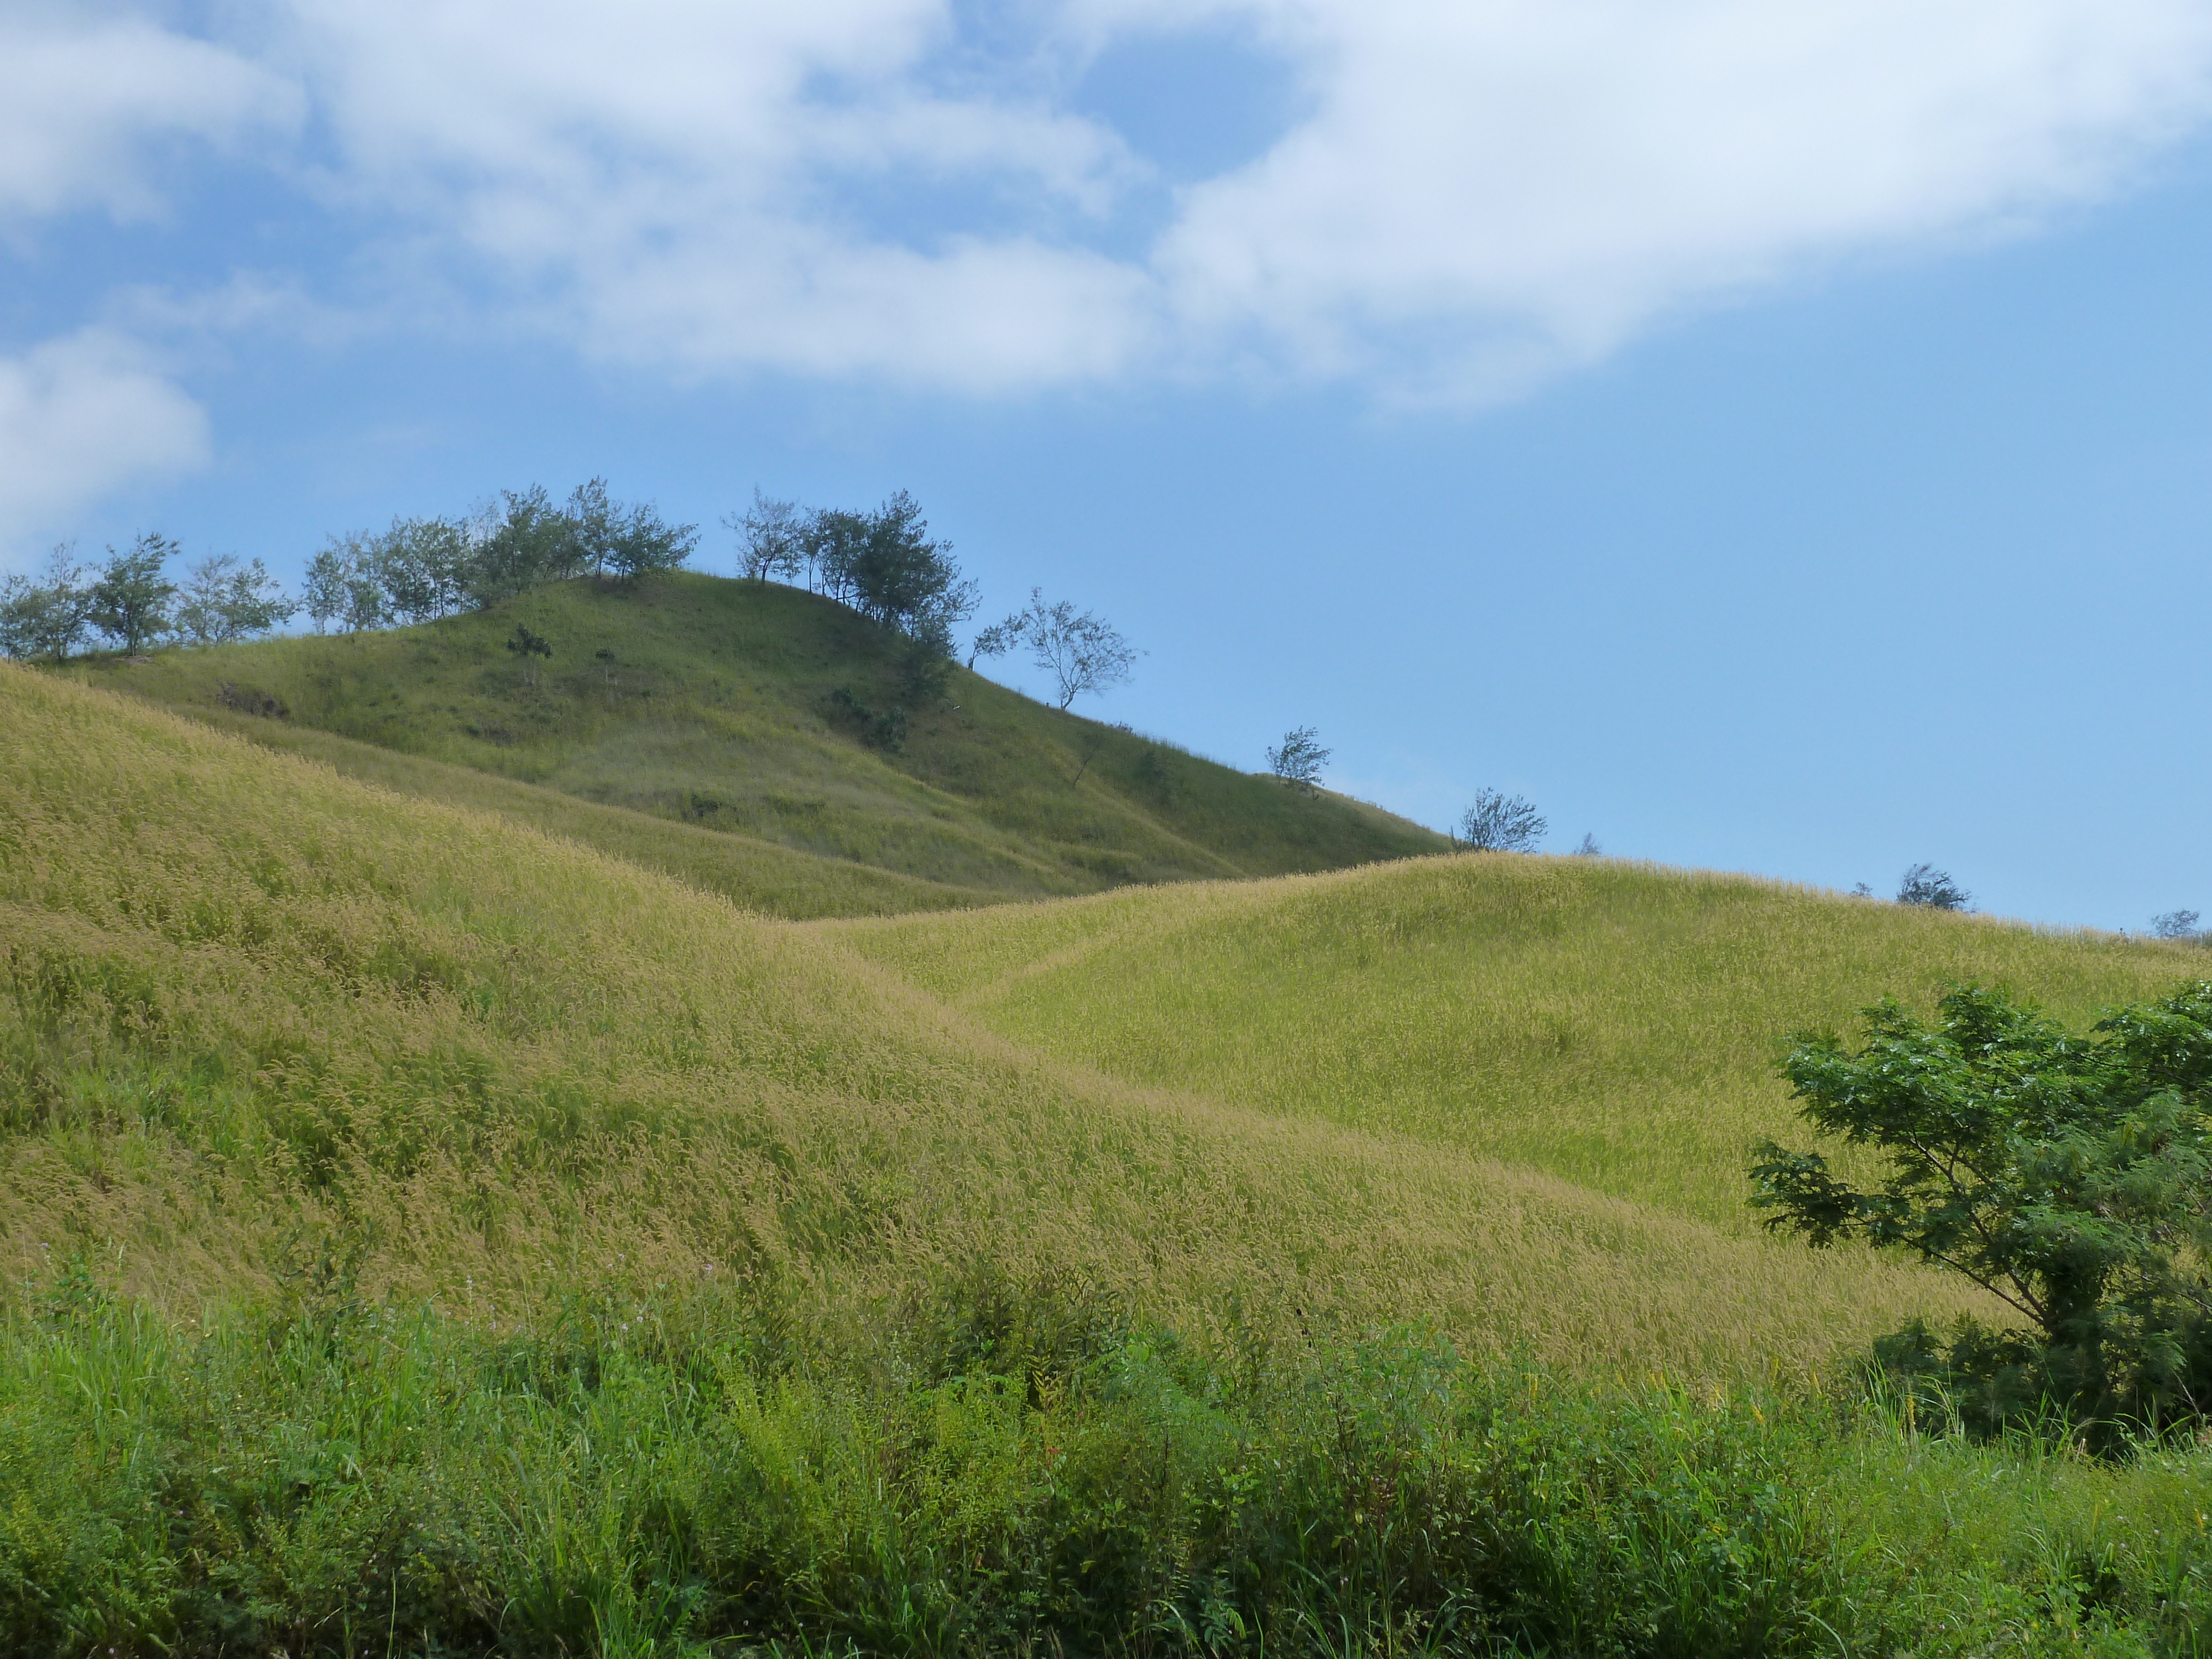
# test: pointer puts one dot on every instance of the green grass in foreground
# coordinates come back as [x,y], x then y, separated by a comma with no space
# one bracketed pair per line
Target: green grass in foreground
[711,702]
[1009,1468]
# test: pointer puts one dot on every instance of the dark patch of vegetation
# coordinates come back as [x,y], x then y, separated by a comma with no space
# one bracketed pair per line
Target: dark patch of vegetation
[885,730]
[1932,889]
[1004,1466]
[1499,822]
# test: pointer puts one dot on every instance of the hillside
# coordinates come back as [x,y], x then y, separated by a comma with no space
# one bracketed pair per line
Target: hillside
[258,1002]
[777,716]
[434,1235]
[1611,1024]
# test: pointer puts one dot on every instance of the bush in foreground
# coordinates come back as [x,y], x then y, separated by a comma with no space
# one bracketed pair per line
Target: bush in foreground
[999,1467]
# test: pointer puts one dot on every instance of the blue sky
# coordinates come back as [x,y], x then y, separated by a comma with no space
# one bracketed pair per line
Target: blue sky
[1769,438]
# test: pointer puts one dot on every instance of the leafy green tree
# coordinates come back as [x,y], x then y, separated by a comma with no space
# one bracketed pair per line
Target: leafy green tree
[224,600]
[1499,822]
[323,586]
[2069,1178]
[771,539]
[423,567]
[45,617]
[1925,885]
[528,541]
[1298,759]
[130,597]
[624,542]
[1083,653]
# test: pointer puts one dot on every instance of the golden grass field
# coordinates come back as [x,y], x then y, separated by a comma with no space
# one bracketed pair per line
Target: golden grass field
[433,1232]
[261,1013]
[1610,1024]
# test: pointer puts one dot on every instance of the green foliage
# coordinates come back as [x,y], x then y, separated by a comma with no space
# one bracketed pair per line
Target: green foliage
[46,616]
[225,600]
[885,730]
[1084,653]
[1001,1468]
[1499,822]
[1298,760]
[2069,1178]
[129,598]
[1924,885]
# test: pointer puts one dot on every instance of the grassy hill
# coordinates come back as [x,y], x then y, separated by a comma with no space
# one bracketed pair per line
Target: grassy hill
[1609,1023]
[434,1234]
[779,717]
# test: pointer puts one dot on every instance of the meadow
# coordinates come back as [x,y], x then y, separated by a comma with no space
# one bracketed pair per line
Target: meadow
[430,1234]
[758,709]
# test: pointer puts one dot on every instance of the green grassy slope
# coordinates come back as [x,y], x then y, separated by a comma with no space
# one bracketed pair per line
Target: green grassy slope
[710,701]
[255,1010]
[1607,1024]
[758,875]
[428,1235]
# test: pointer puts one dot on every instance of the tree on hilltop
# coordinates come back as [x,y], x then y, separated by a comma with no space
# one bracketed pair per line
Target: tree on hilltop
[46,616]
[129,599]
[1925,885]
[1499,822]
[226,601]
[1298,759]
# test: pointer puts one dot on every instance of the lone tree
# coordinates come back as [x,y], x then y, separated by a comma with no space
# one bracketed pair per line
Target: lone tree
[130,598]
[1499,822]
[771,539]
[1925,885]
[2175,924]
[1298,760]
[2069,1178]
[1081,651]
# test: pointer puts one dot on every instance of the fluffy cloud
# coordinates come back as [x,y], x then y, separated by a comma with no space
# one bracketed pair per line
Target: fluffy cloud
[83,415]
[1473,194]
[84,99]
[1483,189]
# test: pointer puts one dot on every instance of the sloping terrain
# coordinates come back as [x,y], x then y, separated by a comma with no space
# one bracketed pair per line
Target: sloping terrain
[430,1234]
[781,717]
[1608,1024]
[257,1010]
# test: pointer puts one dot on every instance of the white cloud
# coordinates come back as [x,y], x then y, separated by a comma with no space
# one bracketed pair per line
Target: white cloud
[1476,194]
[83,415]
[82,99]
[1520,182]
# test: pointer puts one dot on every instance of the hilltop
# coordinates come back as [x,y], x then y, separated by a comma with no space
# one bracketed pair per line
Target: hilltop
[777,718]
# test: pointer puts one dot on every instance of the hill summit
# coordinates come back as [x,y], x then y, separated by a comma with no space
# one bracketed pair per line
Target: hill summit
[778,722]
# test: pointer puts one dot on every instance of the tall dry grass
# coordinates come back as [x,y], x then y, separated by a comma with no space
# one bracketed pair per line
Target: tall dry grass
[1607,1023]
[264,1024]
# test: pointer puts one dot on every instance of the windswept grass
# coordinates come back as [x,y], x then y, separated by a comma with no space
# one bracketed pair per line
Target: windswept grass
[753,874]
[1612,1024]
[715,703]
[259,1017]
[432,1236]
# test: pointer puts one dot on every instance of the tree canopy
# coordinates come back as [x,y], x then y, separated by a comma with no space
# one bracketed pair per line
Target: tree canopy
[2069,1177]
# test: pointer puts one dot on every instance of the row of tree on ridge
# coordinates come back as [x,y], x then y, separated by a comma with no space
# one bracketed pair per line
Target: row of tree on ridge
[884,564]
